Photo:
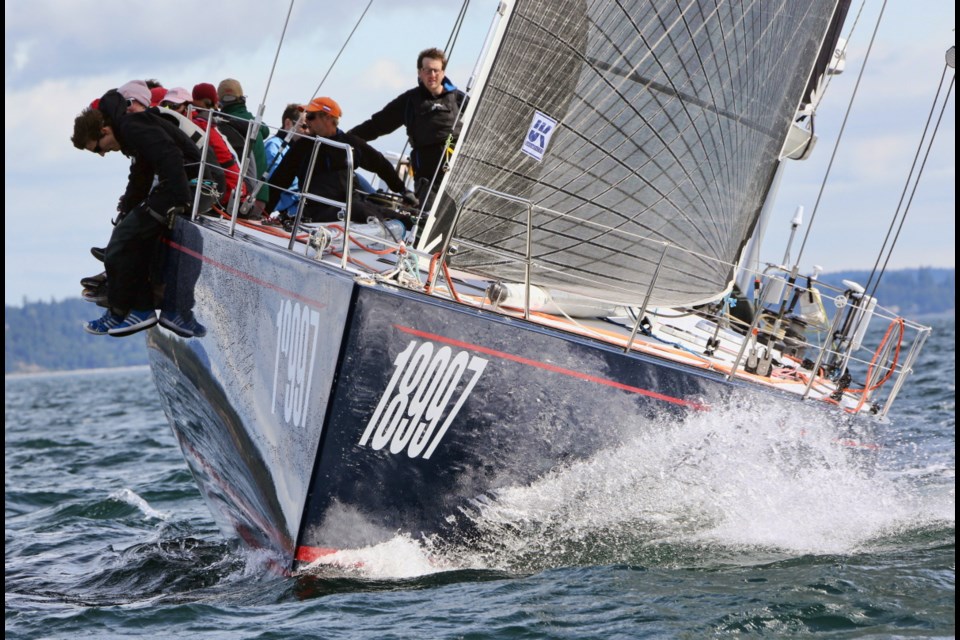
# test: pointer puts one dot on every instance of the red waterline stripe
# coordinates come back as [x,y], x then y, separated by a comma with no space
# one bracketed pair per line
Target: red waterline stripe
[245,276]
[312,554]
[549,367]
[282,541]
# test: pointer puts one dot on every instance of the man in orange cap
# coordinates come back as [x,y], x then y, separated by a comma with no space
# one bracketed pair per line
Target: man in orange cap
[330,178]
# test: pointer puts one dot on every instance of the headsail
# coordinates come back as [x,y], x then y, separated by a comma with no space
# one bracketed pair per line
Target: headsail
[669,121]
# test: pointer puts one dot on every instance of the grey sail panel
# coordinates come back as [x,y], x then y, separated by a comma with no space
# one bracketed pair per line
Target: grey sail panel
[670,119]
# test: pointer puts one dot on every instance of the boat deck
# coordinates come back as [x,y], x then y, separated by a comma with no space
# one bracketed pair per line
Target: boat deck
[709,339]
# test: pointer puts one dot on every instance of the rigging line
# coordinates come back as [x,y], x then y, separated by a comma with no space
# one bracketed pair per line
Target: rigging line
[262,108]
[906,186]
[451,42]
[447,51]
[843,126]
[916,182]
[339,53]
[276,56]
[846,44]
[455,33]
[283,34]
[286,139]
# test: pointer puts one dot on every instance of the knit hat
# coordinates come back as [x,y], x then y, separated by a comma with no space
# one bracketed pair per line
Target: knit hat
[228,88]
[156,96]
[205,91]
[178,95]
[324,104]
[136,90]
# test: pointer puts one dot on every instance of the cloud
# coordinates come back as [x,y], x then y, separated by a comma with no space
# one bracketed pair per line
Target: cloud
[60,55]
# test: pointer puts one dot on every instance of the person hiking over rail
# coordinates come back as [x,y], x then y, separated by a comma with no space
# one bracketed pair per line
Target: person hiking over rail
[158,150]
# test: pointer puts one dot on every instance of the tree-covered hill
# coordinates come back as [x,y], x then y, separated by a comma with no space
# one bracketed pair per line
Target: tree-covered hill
[49,336]
[909,292]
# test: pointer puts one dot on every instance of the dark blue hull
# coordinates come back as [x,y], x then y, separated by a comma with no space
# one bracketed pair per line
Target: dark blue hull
[319,413]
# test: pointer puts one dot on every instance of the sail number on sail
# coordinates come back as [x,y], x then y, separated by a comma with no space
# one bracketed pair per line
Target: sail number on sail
[418,396]
[297,329]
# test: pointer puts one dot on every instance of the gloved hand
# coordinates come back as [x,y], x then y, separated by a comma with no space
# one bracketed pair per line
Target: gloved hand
[173,212]
[410,199]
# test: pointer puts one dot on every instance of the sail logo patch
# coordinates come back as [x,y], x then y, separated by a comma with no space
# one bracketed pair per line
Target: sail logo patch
[425,381]
[538,136]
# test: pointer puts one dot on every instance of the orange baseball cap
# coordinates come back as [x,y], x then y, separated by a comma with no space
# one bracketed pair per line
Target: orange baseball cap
[327,105]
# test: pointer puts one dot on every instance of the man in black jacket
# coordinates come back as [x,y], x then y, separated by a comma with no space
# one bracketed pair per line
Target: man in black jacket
[330,178]
[431,113]
[158,149]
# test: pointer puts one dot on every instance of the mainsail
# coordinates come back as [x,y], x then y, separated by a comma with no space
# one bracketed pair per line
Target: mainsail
[663,123]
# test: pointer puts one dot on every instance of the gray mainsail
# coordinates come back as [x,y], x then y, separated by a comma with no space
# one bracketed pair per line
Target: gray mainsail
[669,120]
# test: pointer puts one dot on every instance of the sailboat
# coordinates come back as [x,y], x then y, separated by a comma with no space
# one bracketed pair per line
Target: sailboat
[574,280]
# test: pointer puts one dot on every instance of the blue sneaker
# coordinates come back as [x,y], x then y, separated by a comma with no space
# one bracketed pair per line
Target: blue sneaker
[182,324]
[135,321]
[102,325]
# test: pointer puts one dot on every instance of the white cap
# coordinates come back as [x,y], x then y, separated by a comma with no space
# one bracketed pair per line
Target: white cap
[178,95]
[136,90]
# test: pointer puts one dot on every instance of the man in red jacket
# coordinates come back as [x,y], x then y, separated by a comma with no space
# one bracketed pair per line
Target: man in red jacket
[179,99]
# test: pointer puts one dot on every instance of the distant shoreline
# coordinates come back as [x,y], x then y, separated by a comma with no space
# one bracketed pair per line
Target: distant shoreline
[45,338]
[50,373]
[949,313]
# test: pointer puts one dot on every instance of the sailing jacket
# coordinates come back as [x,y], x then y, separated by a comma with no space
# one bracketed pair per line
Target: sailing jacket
[429,119]
[156,147]
[215,169]
[330,176]
[275,148]
[224,155]
[239,112]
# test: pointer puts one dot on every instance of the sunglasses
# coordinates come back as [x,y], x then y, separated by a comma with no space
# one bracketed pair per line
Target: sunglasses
[97,148]
[310,117]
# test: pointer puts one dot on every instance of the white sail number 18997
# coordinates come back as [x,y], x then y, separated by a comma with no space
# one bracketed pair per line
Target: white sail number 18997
[418,396]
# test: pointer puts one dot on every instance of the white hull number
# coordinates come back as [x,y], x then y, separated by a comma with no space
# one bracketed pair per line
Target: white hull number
[417,397]
[297,329]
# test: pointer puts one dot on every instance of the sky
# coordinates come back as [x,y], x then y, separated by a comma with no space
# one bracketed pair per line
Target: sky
[58,56]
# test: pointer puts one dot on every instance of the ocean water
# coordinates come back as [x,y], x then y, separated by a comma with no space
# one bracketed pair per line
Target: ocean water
[730,525]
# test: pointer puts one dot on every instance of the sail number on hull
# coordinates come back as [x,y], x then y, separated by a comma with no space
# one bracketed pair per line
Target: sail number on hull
[418,396]
[297,329]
